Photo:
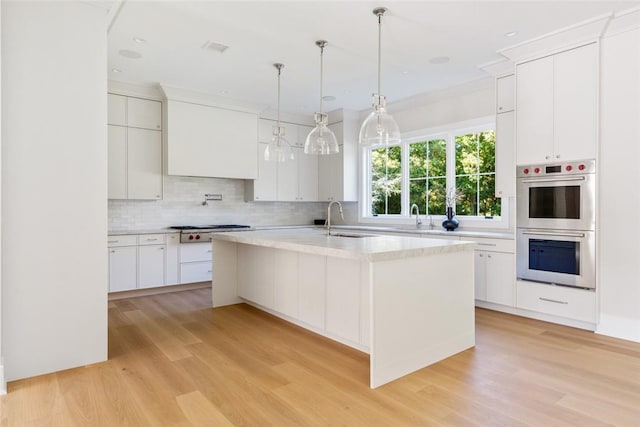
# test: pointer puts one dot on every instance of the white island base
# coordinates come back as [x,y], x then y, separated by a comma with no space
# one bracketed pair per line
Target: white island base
[406,301]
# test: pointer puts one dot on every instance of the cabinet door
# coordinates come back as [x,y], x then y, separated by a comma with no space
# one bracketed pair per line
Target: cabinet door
[575,103]
[194,252]
[534,107]
[117,162]
[505,155]
[151,263]
[123,268]
[286,282]
[311,292]
[256,281]
[500,278]
[480,275]
[265,130]
[288,178]
[144,113]
[172,263]
[307,176]
[330,176]
[302,132]
[193,272]
[117,110]
[343,298]
[144,164]
[505,94]
[264,187]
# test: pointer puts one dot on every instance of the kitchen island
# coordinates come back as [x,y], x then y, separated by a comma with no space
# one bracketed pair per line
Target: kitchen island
[407,301]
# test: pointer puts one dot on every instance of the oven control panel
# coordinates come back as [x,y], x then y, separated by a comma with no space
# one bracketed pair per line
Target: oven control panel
[578,167]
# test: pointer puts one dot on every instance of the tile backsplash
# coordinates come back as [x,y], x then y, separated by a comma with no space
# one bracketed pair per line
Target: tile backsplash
[182,205]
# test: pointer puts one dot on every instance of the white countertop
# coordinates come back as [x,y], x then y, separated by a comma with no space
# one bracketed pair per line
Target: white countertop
[372,248]
[130,232]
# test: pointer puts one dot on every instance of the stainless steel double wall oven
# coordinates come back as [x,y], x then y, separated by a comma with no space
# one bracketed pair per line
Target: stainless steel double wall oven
[556,223]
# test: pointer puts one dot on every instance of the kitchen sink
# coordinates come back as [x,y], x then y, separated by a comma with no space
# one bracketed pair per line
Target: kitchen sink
[352,235]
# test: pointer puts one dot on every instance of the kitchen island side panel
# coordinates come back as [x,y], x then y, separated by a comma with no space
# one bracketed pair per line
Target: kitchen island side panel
[422,311]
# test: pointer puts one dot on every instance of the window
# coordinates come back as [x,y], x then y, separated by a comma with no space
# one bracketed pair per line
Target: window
[422,169]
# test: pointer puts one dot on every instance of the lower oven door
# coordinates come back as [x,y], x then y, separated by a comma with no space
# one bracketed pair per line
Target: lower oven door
[556,256]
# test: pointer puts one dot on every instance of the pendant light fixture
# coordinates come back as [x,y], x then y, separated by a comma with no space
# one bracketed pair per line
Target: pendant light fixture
[321,140]
[379,128]
[278,149]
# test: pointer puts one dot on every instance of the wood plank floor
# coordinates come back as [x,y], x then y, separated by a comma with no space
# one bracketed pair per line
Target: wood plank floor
[175,362]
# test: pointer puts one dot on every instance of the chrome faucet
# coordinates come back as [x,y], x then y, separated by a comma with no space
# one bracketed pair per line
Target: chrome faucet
[430,222]
[328,224]
[415,207]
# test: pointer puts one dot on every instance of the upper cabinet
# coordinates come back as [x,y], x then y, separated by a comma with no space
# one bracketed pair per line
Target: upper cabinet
[505,137]
[291,180]
[134,148]
[209,141]
[134,112]
[337,173]
[556,104]
[505,93]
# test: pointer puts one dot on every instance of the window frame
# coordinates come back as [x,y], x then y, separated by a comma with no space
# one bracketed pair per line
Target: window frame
[447,132]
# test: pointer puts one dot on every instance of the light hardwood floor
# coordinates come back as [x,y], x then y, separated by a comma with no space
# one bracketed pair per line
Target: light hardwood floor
[173,361]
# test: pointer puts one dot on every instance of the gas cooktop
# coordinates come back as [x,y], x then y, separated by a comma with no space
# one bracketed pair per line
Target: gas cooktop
[207,227]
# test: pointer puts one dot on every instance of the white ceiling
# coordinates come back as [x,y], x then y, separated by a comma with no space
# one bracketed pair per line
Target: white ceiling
[260,33]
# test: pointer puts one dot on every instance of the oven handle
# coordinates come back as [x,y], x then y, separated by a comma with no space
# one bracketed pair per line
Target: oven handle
[553,233]
[554,179]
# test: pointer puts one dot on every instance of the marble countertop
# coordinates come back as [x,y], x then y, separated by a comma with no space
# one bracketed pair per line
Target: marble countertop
[130,232]
[370,248]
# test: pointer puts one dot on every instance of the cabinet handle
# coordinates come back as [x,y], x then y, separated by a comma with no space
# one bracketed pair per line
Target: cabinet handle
[499,108]
[557,156]
[114,241]
[151,240]
[162,249]
[481,255]
[552,300]
[547,157]
[488,256]
[210,250]
[209,271]
[486,244]
[113,251]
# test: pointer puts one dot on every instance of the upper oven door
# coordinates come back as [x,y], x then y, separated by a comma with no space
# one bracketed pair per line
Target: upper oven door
[556,202]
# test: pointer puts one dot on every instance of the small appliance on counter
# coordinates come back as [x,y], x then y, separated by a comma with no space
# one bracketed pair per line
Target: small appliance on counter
[203,233]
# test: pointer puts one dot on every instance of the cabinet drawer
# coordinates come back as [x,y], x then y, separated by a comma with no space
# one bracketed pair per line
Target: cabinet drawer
[152,239]
[195,272]
[193,252]
[126,240]
[577,304]
[493,245]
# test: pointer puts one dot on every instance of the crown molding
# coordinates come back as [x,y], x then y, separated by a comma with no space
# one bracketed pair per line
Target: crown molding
[501,67]
[626,20]
[186,95]
[149,91]
[563,39]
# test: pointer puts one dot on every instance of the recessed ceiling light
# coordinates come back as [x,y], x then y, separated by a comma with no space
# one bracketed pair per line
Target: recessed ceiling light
[224,92]
[139,40]
[328,98]
[214,46]
[405,72]
[439,60]
[347,91]
[510,34]
[116,70]
[132,54]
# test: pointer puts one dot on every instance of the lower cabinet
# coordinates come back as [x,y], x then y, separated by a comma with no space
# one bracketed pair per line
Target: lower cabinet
[195,262]
[123,268]
[142,261]
[324,292]
[571,303]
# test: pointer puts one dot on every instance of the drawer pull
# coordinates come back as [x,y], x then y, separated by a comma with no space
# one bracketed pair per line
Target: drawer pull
[210,250]
[209,271]
[487,244]
[113,241]
[552,300]
[151,240]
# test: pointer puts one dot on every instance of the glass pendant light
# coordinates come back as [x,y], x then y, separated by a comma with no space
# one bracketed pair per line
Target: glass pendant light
[278,149]
[321,140]
[379,128]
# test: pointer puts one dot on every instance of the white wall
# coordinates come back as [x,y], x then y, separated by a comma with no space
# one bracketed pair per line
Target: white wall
[619,198]
[54,186]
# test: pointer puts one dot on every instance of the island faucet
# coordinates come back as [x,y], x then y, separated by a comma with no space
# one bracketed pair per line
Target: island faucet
[415,207]
[328,224]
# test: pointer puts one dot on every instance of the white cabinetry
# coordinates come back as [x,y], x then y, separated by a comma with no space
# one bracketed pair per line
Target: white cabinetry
[311,291]
[134,148]
[505,137]
[257,282]
[291,180]
[494,270]
[151,260]
[337,173]
[571,303]
[195,262]
[557,107]
[173,250]
[343,298]
[211,142]
[123,263]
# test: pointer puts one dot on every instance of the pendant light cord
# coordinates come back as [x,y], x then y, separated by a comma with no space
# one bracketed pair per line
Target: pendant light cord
[321,72]
[279,70]
[379,49]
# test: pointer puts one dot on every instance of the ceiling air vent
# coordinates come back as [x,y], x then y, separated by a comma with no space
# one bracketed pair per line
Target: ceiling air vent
[216,47]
